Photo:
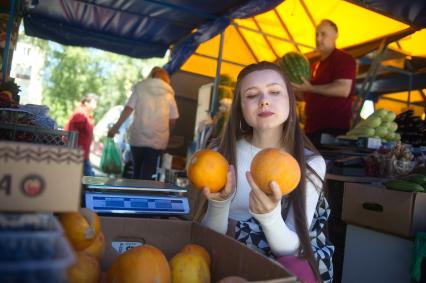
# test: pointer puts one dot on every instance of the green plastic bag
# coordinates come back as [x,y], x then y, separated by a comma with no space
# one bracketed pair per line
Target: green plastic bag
[419,254]
[111,158]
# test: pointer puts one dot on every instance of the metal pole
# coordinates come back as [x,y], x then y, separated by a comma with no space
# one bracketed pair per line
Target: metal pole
[5,62]
[217,78]
[410,87]
[368,82]
[272,36]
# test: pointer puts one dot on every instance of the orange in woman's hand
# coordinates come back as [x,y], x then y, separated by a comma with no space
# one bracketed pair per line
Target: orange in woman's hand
[273,164]
[208,168]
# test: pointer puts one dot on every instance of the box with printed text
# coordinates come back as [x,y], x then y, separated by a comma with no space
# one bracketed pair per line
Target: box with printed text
[37,177]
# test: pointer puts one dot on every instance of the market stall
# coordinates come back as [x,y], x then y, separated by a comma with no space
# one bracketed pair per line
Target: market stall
[363,157]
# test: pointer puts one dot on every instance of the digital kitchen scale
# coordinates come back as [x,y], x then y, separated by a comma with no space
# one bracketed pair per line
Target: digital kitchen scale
[106,195]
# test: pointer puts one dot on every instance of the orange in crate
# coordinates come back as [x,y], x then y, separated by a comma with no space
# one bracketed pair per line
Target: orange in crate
[188,267]
[97,248]
[198,250]
[81,228]
[85,270]
[144,264]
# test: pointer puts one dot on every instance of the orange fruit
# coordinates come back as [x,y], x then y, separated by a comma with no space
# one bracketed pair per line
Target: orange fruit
[198,250]
[233,279]
[144,264]
[81,228]
[208,168]
[187,267]
[85,270]
[272,164]
[97,247]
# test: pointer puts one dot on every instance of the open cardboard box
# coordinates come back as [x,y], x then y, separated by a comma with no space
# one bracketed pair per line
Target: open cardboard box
[395,212]
[229,257]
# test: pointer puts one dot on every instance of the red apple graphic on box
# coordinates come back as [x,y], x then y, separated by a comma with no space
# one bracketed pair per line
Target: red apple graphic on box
[32,185]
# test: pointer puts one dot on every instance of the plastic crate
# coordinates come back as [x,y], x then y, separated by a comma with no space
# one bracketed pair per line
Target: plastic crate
[43,222]
[32,134]
[15,116]
[53,269]
[28,236]
[24,246]
[33,248]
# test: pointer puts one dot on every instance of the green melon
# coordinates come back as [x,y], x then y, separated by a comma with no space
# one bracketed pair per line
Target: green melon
[295,65]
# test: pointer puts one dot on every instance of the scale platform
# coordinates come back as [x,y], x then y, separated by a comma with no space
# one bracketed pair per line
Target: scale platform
[106,195]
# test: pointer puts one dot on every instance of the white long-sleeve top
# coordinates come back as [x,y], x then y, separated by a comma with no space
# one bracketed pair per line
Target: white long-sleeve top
[280,234]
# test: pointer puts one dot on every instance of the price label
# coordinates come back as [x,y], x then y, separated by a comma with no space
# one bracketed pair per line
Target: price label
[39,177]
[124,246]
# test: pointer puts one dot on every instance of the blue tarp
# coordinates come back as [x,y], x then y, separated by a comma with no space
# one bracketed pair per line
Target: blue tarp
[412,12]
[141,29]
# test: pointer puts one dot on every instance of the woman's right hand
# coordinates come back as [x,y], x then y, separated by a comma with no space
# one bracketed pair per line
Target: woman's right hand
[226,192]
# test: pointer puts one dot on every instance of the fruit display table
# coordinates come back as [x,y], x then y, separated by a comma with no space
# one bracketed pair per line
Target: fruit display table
[354,179]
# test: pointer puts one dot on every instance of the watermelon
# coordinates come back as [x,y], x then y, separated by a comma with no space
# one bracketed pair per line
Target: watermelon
[295,65]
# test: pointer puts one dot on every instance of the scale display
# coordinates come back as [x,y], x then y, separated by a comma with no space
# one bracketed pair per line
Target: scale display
[128,203]
[129,196]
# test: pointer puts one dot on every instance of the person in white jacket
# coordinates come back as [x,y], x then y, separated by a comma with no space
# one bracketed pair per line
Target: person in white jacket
[155,113]
[263,115]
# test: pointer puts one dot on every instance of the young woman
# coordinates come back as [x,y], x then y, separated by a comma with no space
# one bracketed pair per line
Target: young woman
[289,228]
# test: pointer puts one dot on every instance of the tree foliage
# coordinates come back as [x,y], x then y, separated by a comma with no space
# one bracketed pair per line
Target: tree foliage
[70,72]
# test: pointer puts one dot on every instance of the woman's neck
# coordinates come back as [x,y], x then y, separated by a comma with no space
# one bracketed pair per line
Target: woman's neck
[267,138]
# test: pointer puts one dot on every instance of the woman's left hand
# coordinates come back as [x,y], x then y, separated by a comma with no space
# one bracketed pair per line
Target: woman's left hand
[259,202]
[227,191]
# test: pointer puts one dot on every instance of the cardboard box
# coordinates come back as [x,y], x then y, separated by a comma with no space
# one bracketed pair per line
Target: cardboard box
[229,257]
[37,177]
[395,212]
[389,257]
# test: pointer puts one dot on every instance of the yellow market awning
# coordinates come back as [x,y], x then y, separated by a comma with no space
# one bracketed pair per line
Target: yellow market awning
[398,102]
[412,45]
[288,27]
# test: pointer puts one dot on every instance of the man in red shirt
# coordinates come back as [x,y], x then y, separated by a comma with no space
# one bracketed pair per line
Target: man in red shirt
[81,121]
[328,96]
